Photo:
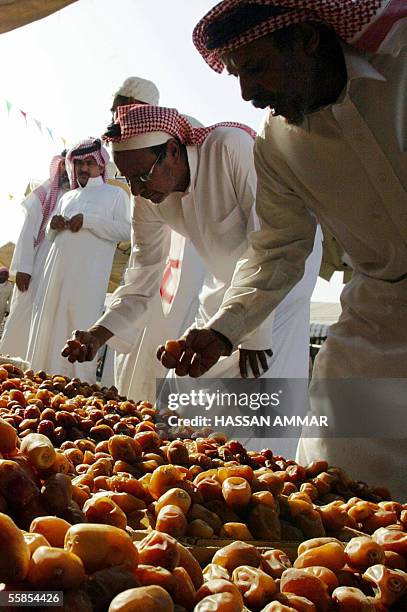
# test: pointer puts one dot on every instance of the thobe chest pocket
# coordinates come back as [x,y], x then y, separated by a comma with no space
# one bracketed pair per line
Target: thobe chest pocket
[232,230]
[232,219]
[76,207]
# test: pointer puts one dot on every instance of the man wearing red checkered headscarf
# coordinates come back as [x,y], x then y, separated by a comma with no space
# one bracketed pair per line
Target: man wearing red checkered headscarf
[174,309]
[86,226]
[200,182]
[29,256]
[333,74]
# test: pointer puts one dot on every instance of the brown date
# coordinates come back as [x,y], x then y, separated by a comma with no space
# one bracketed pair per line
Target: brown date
[256,586]
[237,554]
[362,552]
[300,582]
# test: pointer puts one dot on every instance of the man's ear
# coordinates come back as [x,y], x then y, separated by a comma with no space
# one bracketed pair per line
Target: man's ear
[173,149]
[102,169]
[310,37]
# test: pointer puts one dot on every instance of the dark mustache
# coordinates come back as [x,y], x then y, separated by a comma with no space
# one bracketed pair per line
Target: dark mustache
[265,98]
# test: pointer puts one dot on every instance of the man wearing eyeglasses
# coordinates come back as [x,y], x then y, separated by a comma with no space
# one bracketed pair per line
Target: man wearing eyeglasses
[201,182]
[174,308]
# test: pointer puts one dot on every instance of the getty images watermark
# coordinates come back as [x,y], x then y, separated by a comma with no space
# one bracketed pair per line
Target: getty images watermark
[206,401]
[239,408]
[287,408]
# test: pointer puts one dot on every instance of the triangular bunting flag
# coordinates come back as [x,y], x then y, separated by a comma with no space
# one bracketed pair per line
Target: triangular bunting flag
[38,123]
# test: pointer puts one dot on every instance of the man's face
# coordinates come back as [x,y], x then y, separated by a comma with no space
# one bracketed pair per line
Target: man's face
[283,80]
[135,163]
[87,168]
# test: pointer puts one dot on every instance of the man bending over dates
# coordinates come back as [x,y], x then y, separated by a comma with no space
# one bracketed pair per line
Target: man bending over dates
[200,182]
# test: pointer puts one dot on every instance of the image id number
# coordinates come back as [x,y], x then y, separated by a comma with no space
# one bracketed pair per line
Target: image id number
[31,598]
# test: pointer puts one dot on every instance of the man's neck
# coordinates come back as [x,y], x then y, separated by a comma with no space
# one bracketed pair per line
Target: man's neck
[92,180]
[332,83]
[185,175]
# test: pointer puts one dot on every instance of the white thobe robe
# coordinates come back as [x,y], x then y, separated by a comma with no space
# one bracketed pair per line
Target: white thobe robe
[135,372]
[72,291]
[29,259]
[216,214]
[347,164]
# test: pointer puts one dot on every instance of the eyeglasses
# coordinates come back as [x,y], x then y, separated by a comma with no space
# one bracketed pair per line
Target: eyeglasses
[143,178]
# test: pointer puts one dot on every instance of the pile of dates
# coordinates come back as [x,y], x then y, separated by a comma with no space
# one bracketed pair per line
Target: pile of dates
[84,454]
[99,568]
[61,408]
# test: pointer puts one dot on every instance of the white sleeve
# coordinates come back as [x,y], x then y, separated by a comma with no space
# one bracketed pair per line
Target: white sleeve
[261,338]
[275,260]
[245,185]
[50,233]
[114,229]
[129,303]
[23,257]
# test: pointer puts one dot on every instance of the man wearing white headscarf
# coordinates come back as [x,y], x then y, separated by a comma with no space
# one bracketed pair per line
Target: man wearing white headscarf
[172,312]
[88,223]
[135,90]
[30,255]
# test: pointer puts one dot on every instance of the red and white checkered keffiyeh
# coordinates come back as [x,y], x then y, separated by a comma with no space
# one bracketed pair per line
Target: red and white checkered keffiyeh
[90,147]
[136,119]
[363,23]
[49,198]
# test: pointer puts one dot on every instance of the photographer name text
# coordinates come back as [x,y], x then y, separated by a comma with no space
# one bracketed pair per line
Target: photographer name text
[248,421]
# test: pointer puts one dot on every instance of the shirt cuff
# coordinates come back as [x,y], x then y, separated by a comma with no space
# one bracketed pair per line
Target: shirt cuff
[257,342]
[261,338]
[229,324]
[25,269]
[116,324]
[87,221]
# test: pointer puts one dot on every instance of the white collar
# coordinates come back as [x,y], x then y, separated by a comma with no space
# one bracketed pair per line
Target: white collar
[192,157]
[358,65]
[92,182]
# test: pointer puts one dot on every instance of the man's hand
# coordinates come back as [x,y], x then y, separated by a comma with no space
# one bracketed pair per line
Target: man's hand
[84,345]
[58,223]
[75,223]
[23,281]
[201,349]
[253,358]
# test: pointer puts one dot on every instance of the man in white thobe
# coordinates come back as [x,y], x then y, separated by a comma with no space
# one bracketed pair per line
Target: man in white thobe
[334,145]
[30,254]
[202,183]
[174,310]
[88,223]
